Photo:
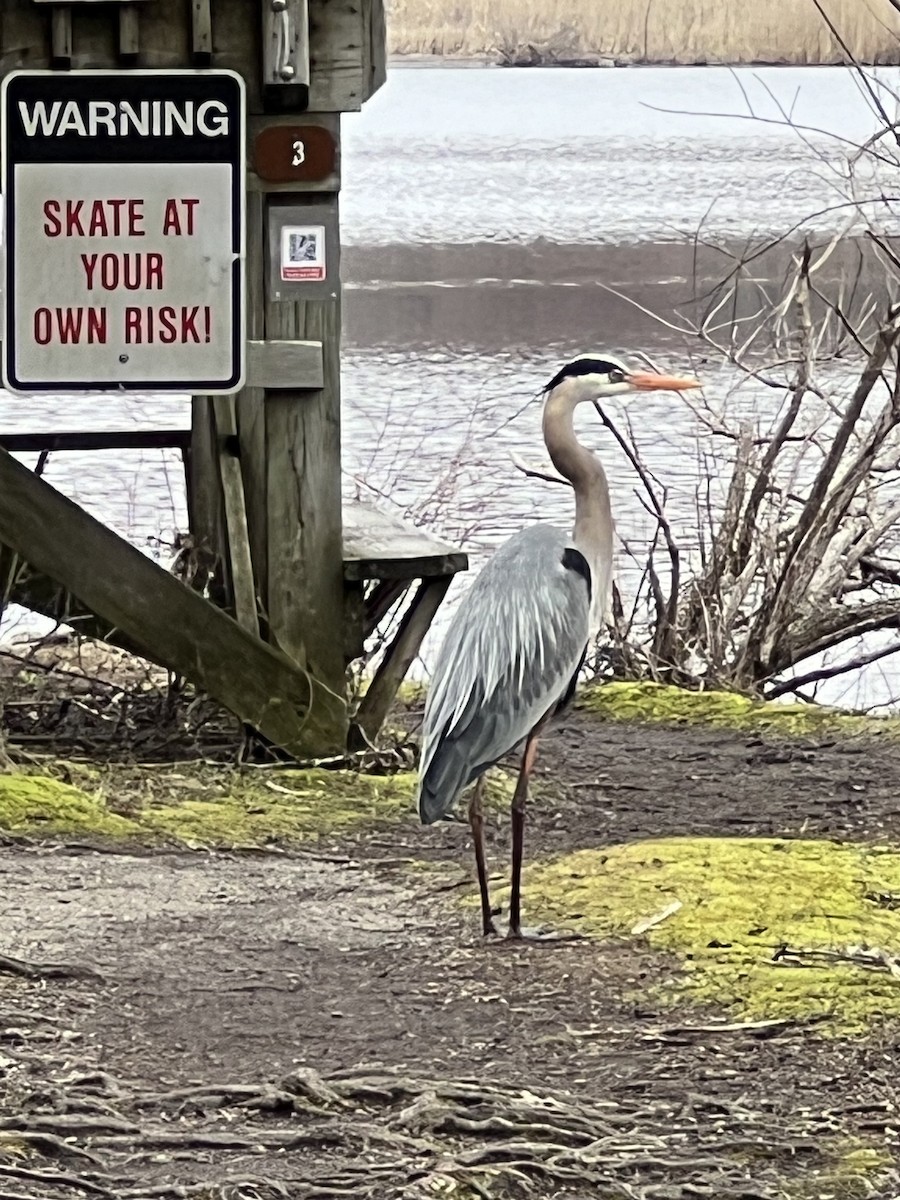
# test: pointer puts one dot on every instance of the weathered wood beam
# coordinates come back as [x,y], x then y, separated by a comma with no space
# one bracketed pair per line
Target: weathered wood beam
[201,33]
[100,439]
[285,74]
[163,618]
[285,364]
[32,590]
[398,657]
[378,545]
[241,564]
[129,34]
[344,45]
[61,36]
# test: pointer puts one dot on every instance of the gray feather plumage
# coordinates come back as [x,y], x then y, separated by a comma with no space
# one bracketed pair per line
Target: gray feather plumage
[510,653]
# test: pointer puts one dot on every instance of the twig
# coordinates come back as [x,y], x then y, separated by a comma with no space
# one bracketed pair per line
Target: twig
[54,1178]
[29,970]
[535,472]
[823,673]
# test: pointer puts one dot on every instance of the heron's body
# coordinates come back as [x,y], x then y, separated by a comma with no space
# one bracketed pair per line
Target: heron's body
[508,663]
[514,648]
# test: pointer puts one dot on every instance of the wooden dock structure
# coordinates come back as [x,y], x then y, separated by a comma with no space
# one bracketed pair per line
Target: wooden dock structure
[287,581]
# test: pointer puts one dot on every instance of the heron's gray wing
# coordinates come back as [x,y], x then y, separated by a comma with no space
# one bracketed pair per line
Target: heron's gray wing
[510,653]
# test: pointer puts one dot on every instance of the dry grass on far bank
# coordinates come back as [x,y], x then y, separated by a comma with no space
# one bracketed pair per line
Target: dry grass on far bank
[648,30]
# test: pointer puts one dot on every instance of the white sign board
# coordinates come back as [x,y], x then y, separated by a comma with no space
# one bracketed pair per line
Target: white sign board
[124,254]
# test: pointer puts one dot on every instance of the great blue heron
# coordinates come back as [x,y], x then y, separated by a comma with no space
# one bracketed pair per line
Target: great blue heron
[516,643]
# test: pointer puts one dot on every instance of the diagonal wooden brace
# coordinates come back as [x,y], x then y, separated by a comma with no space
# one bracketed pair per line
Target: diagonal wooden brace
[165,620]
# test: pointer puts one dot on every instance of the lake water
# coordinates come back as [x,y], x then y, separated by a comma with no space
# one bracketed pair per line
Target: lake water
[485,213]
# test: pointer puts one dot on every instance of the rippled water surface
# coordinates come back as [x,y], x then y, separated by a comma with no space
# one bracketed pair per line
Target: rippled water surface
[599,156]
[485,215]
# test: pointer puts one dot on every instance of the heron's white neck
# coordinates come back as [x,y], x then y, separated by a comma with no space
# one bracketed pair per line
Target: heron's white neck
[592,534]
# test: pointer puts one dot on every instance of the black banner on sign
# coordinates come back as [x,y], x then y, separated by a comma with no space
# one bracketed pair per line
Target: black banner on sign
[126,117]
[125,229]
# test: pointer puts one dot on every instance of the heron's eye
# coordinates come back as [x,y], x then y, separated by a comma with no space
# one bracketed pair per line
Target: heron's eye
[616,376]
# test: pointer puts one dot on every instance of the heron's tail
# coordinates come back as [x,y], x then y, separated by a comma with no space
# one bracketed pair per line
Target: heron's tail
[444,777]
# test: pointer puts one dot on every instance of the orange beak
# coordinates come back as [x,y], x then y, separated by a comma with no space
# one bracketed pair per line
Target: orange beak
[651,382]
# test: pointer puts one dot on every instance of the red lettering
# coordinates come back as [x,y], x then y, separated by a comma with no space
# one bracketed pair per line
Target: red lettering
[168,328]
[66,325]
[131,271]
[154,271]
[135,218]
[190,205]
[97,328]
[133,326]
[98,225]
[52,223]
[69,322]
[172,219]
[95,218]
[73,218]
[42,326]
[89,262]
[188,325]
[167,325]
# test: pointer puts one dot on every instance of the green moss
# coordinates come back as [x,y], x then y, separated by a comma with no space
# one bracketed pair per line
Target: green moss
[38,804]
[741,899]
[307,804]
[219,808]
[659,702]
[849,1172]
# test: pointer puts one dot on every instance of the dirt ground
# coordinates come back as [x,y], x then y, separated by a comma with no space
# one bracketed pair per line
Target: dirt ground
[330,1023]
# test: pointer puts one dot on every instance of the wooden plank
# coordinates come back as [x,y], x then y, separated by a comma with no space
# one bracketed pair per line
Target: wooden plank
[242,585]
[285,69]
[336,41]
[276,364]
[201,33]
[129,34]
[375,66]
[206,504]
[250,404]
[380,546]
[379,601]
[101,439]
[61,36]
[399,656]
[165,619]
[43,595]
[294,365]
[339,43]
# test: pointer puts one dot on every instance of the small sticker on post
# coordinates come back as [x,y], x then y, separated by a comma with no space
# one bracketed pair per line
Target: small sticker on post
[303,253]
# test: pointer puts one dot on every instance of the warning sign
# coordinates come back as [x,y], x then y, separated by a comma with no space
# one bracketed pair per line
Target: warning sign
[124,231]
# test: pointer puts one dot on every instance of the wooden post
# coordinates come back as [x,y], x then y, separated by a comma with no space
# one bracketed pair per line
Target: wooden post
[305,584]
[265,473]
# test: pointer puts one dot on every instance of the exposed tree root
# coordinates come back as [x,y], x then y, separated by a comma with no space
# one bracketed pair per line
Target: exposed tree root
[368,1135]
[29,970]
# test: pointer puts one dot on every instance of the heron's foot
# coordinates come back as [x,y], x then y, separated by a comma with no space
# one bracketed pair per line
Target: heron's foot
[524,934]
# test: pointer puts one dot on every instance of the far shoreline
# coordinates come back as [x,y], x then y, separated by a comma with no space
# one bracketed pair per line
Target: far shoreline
[598,63]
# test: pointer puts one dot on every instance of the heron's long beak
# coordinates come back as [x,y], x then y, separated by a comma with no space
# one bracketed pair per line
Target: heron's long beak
[650,382]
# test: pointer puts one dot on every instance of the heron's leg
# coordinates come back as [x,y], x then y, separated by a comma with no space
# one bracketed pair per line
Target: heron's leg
[476,820]
[520,797]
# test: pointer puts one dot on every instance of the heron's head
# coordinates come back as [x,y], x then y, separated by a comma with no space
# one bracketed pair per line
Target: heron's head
[595,376]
